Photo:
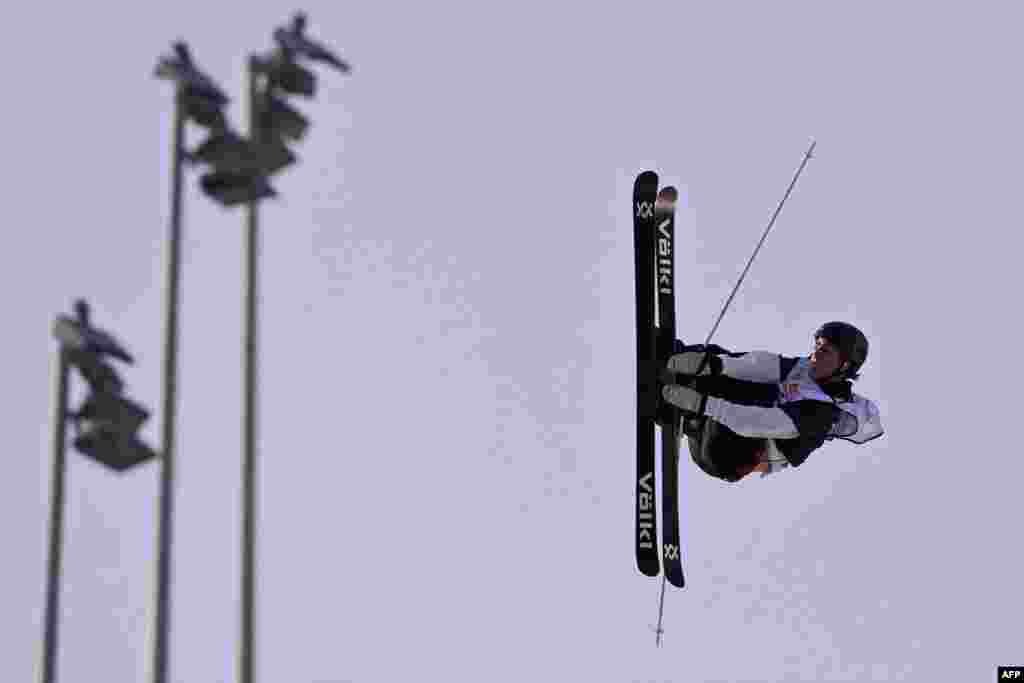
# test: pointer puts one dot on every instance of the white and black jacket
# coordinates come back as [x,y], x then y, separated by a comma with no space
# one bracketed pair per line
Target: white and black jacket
[761,394]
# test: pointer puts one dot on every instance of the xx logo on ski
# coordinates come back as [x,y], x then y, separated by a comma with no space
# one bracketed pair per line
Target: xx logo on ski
[671,552]
[644,209]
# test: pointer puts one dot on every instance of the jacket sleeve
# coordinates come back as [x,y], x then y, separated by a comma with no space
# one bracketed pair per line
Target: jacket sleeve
[813,420]
[747,377]
[753,366]
[757,366]
[756,422]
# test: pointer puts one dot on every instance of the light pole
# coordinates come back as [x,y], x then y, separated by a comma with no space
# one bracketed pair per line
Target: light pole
[105,427]
[239,172]
[199,99]
[56,522]
[271,122]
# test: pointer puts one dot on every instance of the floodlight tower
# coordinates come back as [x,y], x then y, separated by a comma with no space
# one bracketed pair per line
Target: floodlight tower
[105,431]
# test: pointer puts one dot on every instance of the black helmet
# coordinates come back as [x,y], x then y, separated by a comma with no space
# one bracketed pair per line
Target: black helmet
[850,341]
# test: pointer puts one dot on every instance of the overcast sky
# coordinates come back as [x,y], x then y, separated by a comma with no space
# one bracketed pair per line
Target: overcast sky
[447,427]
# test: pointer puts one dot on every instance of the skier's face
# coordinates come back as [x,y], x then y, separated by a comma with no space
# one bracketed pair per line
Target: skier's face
[825,359]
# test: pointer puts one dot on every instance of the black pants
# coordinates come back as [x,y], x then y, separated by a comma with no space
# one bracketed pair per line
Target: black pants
[721,452]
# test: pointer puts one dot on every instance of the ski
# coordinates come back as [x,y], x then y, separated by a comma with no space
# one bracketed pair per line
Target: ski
[664,216]
[645,534]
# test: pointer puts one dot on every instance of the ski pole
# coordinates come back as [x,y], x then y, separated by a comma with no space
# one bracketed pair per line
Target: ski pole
[771,222]
[778,209]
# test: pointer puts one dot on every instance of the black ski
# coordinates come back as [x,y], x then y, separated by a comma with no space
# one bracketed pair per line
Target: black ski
[664,216]
[645,534]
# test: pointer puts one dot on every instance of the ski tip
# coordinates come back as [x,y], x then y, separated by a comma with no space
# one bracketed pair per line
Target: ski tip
[667,198]
[675,577]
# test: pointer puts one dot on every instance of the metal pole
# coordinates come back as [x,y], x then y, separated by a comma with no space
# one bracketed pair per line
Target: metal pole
[707,355]
[49,671]
[661,613]
[165,535]
[247,653]
[775,214]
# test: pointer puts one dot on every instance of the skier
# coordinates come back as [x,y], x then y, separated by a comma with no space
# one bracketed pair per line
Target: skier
[763,412]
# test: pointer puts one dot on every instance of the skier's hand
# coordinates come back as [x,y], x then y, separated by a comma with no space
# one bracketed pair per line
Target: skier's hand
[685,398]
